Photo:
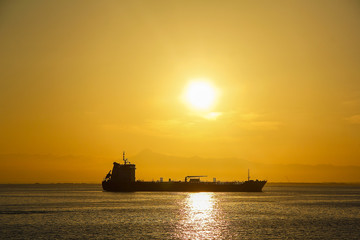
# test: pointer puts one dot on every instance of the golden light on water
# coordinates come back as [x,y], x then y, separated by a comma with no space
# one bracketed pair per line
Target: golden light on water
[200,217]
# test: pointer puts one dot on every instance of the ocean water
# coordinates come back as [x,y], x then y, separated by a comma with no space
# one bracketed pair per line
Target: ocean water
[84,211]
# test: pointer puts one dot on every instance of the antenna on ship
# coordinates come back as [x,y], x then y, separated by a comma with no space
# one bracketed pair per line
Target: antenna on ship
[248,174]
[124,159]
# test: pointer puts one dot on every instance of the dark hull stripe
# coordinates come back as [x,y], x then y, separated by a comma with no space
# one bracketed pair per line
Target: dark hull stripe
[248,186]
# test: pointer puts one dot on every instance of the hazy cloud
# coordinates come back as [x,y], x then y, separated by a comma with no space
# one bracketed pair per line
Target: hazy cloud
[255,121]
[250,116]
[355,119]
[211,115]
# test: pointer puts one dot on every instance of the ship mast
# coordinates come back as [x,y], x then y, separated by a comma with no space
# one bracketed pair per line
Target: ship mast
[124,159]
[248,174]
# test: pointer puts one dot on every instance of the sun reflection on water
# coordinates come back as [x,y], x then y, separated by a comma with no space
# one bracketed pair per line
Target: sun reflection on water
[200,217]
[201,202]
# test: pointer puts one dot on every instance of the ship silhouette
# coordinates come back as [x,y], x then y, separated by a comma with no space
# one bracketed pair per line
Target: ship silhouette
[122,179]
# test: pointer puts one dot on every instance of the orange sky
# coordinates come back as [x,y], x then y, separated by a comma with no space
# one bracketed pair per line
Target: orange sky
[89,79]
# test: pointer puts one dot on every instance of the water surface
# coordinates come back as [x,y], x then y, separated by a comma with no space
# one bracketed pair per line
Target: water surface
[84,211]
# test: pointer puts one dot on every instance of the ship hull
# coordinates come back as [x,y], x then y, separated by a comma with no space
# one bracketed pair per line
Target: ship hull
[247,186]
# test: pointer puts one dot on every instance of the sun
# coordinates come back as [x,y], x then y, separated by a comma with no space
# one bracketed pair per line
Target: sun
[200,95]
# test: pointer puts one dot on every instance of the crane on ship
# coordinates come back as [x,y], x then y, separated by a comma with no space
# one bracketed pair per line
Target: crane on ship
[197,180]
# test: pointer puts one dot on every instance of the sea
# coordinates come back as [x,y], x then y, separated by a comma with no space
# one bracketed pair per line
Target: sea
[84,211]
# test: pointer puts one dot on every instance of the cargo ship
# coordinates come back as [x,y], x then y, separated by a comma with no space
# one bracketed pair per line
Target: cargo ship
[122,179]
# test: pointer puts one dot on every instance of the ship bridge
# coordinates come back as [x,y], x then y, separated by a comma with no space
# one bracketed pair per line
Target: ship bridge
[123,172]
